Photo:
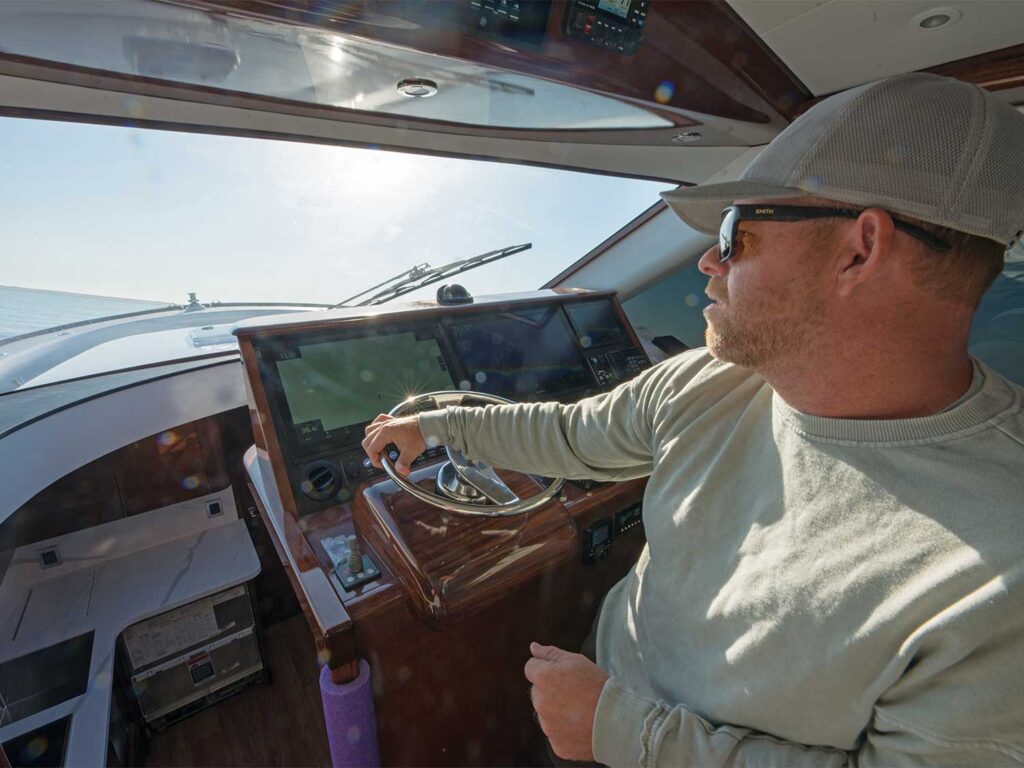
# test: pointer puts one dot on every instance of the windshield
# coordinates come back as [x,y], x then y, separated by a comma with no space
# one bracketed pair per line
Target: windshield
[149,216]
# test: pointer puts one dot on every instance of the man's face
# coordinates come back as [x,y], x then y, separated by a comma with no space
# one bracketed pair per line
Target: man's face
[770,296]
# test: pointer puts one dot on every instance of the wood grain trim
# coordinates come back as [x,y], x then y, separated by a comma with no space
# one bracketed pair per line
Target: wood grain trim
[608,497]
[269,525]
[715,31]
[328,620]
[335,643]
[429,312]
[995,70]
[454,565]
[338,521]
[263,425]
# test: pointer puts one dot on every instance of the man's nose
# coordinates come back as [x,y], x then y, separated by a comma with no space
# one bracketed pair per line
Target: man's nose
[710,265]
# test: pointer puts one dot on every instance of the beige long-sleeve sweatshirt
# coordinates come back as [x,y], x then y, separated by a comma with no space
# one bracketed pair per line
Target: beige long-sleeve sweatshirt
[814,591]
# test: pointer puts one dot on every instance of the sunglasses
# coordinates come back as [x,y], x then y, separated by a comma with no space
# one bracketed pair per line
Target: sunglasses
[734,214]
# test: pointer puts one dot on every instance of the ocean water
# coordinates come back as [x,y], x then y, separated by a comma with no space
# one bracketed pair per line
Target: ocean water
[23,310]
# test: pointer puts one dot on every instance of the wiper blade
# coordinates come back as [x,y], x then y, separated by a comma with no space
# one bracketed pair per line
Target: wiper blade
[423,275]
[415,273]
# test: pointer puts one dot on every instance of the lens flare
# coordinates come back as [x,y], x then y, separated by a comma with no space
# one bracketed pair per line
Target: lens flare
[35,748]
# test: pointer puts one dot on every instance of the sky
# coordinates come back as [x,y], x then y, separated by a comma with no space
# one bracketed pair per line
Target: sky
[153,215]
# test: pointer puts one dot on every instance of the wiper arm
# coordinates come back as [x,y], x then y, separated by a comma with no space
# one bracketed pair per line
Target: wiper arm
[424,275]
[415,273]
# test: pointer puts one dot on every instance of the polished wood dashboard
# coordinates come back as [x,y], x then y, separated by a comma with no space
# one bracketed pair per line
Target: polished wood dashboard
[447,627]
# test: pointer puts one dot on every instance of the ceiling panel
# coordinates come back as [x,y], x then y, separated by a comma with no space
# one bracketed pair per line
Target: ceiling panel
[765,15]
[839,44]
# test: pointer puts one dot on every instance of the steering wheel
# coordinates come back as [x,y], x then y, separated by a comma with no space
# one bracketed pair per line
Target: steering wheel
[465,486]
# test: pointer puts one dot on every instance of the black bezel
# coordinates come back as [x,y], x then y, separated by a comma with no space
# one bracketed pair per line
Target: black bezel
[346,437]
[592,7]
[347,440]
[565,395]
[623,339]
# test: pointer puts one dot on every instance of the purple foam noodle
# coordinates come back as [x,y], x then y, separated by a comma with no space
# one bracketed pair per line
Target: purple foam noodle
[351,723]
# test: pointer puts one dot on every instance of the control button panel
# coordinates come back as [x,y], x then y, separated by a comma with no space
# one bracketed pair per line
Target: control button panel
[627,518]
[597,541]
[617,366]
[613,24]
[359,469]
[332,480]
[507,8]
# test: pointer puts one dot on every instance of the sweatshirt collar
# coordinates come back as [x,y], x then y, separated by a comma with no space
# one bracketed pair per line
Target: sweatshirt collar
[984,401]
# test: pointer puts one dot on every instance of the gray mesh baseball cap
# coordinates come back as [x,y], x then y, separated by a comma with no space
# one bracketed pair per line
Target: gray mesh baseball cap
[928,147]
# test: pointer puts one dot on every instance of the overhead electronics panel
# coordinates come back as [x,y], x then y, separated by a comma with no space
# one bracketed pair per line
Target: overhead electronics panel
[514,21]
[614,24]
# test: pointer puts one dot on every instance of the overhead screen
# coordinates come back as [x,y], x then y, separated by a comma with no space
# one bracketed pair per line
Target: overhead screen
[337,385]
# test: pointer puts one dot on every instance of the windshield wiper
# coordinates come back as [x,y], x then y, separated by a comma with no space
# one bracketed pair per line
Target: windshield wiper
[423,275]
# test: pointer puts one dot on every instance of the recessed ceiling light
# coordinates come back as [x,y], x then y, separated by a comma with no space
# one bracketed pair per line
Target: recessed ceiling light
[936,18]
[934,21]
[417,87]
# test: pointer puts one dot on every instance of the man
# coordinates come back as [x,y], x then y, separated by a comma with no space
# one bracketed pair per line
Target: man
[835,513]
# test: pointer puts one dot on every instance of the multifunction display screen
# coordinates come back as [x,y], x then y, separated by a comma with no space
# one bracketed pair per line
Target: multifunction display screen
[596,323]
[336,385]
[618,7]
[521,355]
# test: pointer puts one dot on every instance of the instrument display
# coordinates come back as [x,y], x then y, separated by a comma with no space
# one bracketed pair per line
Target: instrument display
[596,323]
[325,384]
[618,7]
[332,386]
[529,354]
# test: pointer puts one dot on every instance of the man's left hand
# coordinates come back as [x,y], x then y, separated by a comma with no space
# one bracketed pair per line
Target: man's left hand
[566,687]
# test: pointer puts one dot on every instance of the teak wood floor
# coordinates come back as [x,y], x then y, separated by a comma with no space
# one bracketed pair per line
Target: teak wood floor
[280,724]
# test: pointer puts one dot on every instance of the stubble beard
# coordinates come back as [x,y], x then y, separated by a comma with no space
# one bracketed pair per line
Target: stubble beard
[760,337]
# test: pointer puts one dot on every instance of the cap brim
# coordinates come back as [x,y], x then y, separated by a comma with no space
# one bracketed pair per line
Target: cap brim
[701,206]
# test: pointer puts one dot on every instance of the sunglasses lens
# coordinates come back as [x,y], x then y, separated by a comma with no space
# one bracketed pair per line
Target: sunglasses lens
[725,234]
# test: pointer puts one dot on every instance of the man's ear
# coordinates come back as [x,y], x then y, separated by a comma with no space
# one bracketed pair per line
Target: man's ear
[864,255]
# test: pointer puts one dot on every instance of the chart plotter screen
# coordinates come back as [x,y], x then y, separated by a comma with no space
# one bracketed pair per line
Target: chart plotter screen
[335,386]
[529,354]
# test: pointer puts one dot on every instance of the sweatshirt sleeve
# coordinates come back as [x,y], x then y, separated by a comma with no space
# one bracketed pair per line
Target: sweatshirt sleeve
[959,700]
[606,437]
[631,731]
[601,438]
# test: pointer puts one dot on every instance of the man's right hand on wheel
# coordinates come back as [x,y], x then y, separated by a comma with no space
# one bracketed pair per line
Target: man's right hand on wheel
[404,433]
